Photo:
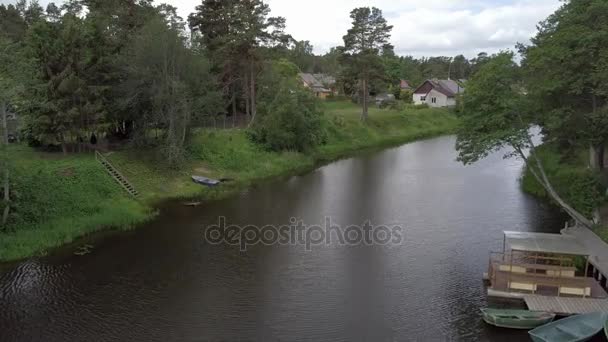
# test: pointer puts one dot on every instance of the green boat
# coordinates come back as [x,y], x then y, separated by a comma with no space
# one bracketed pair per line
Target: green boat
[516,319]
[576,328]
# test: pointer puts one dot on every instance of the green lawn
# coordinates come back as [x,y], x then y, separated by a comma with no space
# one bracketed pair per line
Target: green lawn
[61,198]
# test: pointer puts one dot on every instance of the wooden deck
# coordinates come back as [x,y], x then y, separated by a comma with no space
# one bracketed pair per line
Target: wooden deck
[565,306]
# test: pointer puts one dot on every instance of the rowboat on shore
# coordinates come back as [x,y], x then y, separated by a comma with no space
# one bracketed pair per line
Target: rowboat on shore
[576,328]
[516,319]
[205,181]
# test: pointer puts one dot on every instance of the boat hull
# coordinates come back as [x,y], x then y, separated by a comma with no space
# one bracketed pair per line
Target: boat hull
[576,328]
[516,319]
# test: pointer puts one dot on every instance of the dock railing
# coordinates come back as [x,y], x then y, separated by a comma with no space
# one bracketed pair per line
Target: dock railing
[517,271]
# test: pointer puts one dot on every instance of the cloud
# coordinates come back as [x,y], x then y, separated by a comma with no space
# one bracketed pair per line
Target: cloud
[421,28]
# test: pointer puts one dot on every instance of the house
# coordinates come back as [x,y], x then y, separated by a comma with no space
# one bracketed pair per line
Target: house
[315,83]
[328,81]
[405,85]
[438,93]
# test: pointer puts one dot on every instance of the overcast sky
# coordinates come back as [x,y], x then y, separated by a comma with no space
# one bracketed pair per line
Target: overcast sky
[421,27]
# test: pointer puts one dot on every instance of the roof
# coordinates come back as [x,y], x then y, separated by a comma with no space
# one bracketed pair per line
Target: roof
[544,243]
[405,84]
[325,79]
[312,82]
[448,88]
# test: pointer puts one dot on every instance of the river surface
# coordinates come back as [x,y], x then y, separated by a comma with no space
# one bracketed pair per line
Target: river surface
[163,282]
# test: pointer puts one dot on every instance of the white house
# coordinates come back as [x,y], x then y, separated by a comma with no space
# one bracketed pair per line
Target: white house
[437,93]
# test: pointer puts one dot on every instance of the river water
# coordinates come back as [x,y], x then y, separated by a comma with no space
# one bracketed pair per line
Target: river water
[163,282]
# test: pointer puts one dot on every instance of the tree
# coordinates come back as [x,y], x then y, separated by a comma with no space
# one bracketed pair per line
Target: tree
[290,116]
[301,55]
[362,45]
[16,72]
[170,82]
[496,117]
[65,106]
[233,32]
[12,24]
[566,72]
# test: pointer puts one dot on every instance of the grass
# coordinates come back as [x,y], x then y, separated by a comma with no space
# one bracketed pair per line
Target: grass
[62,198]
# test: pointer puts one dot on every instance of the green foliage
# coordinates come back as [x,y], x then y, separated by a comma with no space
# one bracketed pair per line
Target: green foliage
[290,117]
[493,117]
[64,210]
[578,185]
[565,69]
[170,84]
[363,42]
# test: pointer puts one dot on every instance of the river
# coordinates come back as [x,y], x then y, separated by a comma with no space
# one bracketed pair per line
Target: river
[164,282]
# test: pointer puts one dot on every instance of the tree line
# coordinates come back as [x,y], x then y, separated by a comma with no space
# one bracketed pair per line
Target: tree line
[560,85]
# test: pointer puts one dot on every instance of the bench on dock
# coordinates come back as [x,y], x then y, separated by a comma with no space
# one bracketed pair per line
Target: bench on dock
[548,270]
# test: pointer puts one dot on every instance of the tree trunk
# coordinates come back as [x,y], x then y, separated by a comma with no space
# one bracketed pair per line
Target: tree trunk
[7,196]
[252,94]
[365,96]
[3,112]
[246,92]
[599,155]
[233,100]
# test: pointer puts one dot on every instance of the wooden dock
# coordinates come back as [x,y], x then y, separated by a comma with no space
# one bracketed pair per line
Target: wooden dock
[565,306]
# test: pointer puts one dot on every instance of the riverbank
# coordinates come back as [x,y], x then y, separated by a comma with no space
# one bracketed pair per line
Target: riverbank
[573,180]
[62,198]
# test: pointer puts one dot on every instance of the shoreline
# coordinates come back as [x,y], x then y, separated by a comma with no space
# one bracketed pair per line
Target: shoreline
[176,185]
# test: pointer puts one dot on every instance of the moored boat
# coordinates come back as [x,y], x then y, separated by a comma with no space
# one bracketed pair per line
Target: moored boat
[516,319]
[205,181]
[576,328]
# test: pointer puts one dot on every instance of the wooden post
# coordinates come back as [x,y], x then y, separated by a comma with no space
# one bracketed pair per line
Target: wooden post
[504,246]
[510,271]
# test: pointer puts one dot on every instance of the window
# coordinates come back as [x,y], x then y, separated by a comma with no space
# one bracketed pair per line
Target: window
[422,98]
[434,100]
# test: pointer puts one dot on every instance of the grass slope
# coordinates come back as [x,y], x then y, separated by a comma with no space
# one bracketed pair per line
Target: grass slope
[61,199]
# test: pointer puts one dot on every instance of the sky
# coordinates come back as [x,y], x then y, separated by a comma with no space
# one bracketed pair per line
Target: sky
[421,27]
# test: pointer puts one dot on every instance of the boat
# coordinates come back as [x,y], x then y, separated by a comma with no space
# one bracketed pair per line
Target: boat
[516,319]
[205,181]
[576,328]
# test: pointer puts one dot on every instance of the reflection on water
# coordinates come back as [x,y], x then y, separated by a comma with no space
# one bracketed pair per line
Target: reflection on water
[163,283]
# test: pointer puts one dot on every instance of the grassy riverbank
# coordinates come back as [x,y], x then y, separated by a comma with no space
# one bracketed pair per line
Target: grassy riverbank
[61,198]
[572,179]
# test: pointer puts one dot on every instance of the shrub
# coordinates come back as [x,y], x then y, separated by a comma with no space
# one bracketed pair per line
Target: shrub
[406,96]
[290,116]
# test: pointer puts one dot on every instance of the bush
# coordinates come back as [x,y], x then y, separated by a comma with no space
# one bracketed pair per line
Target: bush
[290,116]
[406,96]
